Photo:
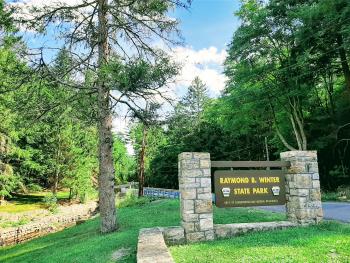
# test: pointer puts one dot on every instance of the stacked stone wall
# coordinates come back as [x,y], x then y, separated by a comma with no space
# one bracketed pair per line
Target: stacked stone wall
[70,216]
[303,187]
[196,198]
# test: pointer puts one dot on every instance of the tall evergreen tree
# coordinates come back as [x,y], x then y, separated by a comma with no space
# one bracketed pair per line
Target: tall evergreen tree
[106,27]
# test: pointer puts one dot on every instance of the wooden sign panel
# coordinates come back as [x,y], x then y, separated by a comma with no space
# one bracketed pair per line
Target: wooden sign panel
[249,188]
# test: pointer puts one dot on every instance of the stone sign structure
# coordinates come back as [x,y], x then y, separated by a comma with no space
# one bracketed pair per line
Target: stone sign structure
[303,187]
[196,198]
[303,198]
[302,192]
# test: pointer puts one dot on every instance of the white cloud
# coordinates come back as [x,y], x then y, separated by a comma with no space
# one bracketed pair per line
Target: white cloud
[206,63]
[202,56]
[25,9]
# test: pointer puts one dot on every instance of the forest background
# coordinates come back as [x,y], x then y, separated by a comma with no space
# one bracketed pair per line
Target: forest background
[288,88]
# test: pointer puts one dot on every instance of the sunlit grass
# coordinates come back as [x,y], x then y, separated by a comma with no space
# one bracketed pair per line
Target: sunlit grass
[28,202]
[327,242]
[84,243]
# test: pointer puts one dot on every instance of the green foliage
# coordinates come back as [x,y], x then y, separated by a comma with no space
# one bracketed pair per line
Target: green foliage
[34,188]
[79,242]
[344,192]
[330,196]
[131,199]
[124,164]
[284,82]
[286,90]
[50,202]
[52,144]
[8,182]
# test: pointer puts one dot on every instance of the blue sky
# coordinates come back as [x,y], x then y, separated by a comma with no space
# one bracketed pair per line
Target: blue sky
[207,28]
[208,23]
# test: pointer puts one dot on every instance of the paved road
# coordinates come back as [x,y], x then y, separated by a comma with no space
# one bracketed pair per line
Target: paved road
[332,210]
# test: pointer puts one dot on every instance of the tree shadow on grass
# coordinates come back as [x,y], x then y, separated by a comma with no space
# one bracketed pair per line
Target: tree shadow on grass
[84,243]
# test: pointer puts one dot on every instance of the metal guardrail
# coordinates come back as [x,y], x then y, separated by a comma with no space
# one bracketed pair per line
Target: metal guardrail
[161,193]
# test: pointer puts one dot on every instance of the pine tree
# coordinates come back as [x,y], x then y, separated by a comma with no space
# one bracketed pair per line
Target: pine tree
[106,28]
[193,102]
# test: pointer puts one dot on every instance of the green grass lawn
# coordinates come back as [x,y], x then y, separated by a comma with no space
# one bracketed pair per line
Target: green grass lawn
[84,243]
[27,202]
[327,242]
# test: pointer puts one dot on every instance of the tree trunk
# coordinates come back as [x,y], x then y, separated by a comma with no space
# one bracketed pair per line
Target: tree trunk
[296,133]
[57,172]
[279,134]
[142,161]
[106,168]
[55,184]
[267,152]
[344,62]
[301,129]
[283,140]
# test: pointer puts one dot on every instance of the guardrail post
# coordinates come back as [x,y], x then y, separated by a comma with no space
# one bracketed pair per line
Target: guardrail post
[196,198]
[303,187]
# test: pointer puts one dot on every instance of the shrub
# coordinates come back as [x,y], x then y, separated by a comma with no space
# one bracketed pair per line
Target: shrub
[330,196]
[34,187]
[50,202]
[131,199]
[344,192]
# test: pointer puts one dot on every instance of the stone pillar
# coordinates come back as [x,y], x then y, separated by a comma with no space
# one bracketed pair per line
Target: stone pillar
[303,187]
[196,198]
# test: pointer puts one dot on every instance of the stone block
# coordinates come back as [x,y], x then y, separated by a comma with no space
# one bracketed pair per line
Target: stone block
[195,237]
[206,182]
[314,205]
[313,167]
[174,235]
[316,184]
[206,224]
[190,164]
[187,206]
[188,226]
[201,156]
[222,231]
[303,181]
[151,247]
[319,213]
[189,193]
[301,214]
[315,194]
[299,192]
[209,235]
[191,173]
[190,217]
[203,190]
[205,164]
[315,176]
[209,216]
[185,155]
[187,180]
[206,196]
[203,206]
[206,173]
